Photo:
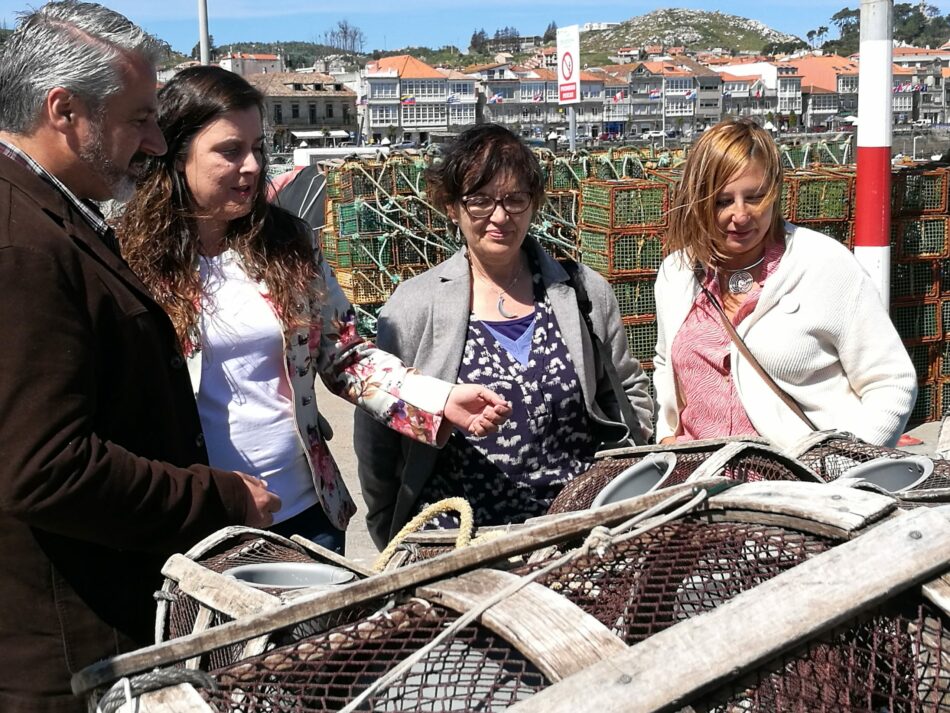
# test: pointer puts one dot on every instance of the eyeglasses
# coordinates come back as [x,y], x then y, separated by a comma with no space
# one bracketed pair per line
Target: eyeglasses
[479,205]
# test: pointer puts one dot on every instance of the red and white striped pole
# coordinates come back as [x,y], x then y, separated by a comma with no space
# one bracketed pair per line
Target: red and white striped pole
[872,223]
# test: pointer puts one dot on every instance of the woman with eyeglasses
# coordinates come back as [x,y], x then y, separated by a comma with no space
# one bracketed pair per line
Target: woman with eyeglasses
[259,314]
[500,313]
[803,307]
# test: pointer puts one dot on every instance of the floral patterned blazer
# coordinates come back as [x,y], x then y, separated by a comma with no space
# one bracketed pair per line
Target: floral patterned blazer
[353,368]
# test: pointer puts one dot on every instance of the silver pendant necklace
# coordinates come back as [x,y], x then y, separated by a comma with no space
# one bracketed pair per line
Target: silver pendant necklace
[500,304]
[741,281]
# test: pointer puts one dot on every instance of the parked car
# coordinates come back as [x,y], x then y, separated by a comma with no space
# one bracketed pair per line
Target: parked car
[653,134]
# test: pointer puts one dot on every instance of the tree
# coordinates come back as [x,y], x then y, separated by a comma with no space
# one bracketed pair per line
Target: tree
[345,37]
[478,42]
[810,36]
[849,34]
[550,34]
[196,50]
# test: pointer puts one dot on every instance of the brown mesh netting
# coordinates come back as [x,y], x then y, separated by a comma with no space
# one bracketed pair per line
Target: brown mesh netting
[639,587]
[648,578]
[748,465]
[181,610]
[895,658]
[833,457]
[475,670]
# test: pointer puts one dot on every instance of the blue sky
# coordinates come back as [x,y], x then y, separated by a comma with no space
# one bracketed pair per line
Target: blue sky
[391,24]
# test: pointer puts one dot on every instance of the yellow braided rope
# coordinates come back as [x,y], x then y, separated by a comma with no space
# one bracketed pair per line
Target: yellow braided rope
[466,525]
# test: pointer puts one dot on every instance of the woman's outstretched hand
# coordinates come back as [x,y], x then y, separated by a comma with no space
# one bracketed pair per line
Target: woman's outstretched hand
[474,409]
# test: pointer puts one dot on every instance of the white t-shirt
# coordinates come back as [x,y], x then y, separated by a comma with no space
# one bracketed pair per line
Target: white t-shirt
[244,399]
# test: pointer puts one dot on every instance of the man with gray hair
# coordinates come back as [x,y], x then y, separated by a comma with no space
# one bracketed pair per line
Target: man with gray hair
[102,459]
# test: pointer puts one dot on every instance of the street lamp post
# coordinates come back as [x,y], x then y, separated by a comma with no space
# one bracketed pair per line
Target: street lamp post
[203,41]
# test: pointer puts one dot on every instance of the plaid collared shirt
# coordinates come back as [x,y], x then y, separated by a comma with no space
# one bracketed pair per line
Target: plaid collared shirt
[85,208]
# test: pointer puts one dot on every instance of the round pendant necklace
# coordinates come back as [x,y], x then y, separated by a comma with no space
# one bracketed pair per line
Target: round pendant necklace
[741,281]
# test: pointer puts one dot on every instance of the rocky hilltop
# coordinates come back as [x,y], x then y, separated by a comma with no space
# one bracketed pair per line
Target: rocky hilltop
[694,29]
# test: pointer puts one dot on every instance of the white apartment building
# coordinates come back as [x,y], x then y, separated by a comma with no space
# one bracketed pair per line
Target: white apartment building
[406,100]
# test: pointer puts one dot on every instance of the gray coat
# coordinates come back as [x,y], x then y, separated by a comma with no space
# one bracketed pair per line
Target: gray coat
[425,323]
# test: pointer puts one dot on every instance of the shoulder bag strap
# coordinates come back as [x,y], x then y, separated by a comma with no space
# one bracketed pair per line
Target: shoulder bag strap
[601,352]
[744,351]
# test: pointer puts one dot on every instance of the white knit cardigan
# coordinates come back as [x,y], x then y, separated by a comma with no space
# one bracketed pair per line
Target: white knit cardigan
[821,332]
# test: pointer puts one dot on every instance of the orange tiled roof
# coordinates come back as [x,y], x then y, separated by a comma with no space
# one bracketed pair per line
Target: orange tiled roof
[898,51]
[408,67]
[472,68]
[453,74]
[591,77]
[548,75]
[822,72]
[726,77]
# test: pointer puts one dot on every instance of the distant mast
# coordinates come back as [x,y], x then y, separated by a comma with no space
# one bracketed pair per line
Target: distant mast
[203,41]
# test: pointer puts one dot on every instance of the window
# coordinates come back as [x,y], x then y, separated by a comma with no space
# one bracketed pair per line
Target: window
[423,88]
[329,111]
[312,112]
[679,85]
[791,86]
[824,102]
[382,90]
[278,114]
[679,108]
[383,115]
[294,110]
[462,89]
[504,91]
[425,114]
[589,91]
[461,114]
[848,85]
[346,114]
[532,92]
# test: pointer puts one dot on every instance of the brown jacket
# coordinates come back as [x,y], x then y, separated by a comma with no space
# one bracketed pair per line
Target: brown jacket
[95,404]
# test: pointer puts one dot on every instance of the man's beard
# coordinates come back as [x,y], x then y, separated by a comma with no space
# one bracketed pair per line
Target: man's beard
[121,182]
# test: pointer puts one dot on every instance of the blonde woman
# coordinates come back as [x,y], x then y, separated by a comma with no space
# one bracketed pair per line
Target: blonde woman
[800,301]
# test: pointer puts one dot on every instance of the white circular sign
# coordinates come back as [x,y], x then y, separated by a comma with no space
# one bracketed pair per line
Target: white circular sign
[567,66]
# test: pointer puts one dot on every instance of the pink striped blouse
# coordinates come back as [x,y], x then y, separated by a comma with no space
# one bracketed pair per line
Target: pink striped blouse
[701,363]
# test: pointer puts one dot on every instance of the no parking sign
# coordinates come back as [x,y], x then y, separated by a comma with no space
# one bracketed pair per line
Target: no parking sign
[568,64]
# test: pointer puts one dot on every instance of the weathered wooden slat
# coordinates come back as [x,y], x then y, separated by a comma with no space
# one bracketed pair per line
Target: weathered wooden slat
[825,509]
[203,620]
[216,591]
[718,460]
[759,624]
[182,698]
[559,529]
[553,633]
[331,556]
[683,447]
[938,592]
[815,438]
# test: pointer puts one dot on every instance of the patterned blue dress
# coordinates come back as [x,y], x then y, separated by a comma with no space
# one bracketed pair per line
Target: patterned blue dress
[515,473]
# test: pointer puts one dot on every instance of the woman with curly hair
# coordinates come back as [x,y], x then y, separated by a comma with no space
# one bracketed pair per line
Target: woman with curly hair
[259,313]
